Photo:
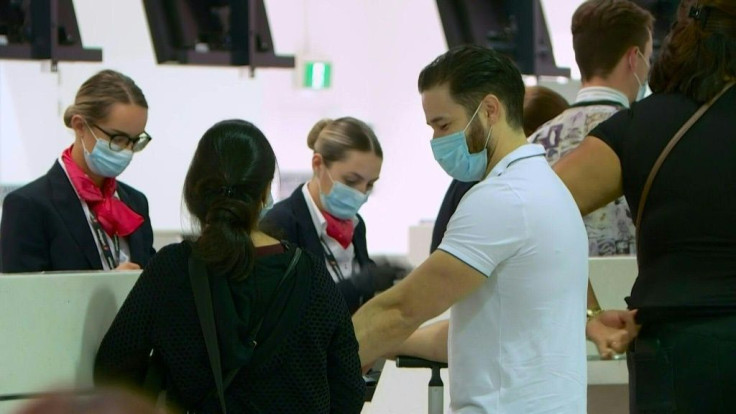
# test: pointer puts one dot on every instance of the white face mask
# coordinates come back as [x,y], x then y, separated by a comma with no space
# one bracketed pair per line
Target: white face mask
[642,85]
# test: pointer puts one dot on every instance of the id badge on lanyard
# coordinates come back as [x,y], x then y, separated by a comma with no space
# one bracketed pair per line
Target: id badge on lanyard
[332,261]
[112,260]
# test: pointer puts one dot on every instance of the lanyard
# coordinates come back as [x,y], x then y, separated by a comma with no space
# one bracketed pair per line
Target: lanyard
[331,260]
[112,261]
[601,102]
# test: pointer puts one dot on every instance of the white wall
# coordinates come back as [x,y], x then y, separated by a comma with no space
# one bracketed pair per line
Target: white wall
[377,48]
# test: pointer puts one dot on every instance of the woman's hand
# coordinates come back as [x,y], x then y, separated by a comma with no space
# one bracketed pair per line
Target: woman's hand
[612,331]
[128,266]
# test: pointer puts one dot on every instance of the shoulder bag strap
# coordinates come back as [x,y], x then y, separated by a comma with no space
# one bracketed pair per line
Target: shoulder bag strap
[203,300]
[254,332]
[675,139]
[289,271]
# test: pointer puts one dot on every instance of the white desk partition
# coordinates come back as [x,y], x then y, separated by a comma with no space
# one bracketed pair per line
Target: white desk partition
[612,279]
[51,325]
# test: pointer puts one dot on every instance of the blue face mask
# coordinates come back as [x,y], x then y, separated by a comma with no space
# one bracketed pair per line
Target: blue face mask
[105,162]
[453,155]
[342,201]
[266,207]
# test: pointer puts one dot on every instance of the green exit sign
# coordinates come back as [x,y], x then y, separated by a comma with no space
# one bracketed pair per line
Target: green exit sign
[317,75]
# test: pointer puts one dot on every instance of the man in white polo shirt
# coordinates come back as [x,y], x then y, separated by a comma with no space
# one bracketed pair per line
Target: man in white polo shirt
[512,265]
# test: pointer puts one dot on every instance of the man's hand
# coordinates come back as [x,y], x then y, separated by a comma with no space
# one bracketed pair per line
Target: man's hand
[612,331]
[128,266]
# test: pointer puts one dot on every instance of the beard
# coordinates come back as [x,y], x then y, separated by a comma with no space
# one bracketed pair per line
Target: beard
[477,136]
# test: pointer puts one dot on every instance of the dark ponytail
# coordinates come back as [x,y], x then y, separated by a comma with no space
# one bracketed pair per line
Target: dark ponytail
[224,190]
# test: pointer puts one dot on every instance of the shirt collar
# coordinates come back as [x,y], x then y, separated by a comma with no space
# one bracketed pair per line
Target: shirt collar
[524,151]
[602,93]
[320,223]
[63,167]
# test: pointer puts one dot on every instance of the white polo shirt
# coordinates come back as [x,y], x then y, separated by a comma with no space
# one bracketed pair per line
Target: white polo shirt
[517,344]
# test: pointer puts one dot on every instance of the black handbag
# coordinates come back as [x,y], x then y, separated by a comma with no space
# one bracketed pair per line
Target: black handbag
[156,382]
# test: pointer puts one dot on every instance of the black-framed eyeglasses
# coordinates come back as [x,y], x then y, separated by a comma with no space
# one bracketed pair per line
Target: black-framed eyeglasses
[119,142]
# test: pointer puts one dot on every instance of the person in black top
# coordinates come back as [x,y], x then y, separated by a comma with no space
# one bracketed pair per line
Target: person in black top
[540,105]
[78,216]
[321,215]
[683,303]
[306,355]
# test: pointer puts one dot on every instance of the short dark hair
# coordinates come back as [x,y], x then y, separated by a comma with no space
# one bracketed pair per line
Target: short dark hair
[602,31]
[540,105]
[472,72]
[224,187]
[698,56]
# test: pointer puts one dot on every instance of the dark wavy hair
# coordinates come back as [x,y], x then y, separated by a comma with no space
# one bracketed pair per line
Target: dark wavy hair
[699,55]
[472,72]
[225,190]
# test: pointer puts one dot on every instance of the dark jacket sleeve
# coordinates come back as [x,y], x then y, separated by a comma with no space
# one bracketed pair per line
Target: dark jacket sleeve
[454,194]
[143,236]
[123,353]
[23,244]
[280,223]
[347,387]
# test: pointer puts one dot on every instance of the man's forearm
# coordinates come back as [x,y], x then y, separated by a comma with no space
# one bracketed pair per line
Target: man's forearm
[429,342]
[381,326]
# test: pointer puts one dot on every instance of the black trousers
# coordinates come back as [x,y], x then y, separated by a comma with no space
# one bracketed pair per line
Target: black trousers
[688,366]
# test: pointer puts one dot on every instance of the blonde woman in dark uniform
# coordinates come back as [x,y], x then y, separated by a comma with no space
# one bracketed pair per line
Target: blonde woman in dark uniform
[78,216]
[322,216]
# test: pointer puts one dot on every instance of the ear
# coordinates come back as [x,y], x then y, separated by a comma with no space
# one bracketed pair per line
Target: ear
[78,125]
[492,109]
[632,57]
[264,196]
[317,162]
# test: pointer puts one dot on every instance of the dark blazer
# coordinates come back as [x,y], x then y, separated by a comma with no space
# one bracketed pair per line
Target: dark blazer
[44,228]
[290,220]
[454,194]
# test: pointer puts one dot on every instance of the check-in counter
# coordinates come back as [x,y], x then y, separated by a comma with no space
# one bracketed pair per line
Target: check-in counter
[52,323]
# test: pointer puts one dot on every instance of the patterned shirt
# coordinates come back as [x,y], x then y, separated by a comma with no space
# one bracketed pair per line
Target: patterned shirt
[610,228]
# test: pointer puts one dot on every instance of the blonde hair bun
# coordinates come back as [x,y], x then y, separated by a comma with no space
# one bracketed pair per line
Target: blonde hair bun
[316,131]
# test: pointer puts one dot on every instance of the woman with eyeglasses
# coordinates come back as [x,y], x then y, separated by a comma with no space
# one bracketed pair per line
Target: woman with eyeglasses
[78,216]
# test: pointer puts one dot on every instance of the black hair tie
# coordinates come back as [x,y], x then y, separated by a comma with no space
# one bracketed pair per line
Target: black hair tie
[699,14]
[228,191]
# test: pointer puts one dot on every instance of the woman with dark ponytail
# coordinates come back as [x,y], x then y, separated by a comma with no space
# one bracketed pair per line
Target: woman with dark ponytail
[305,357]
